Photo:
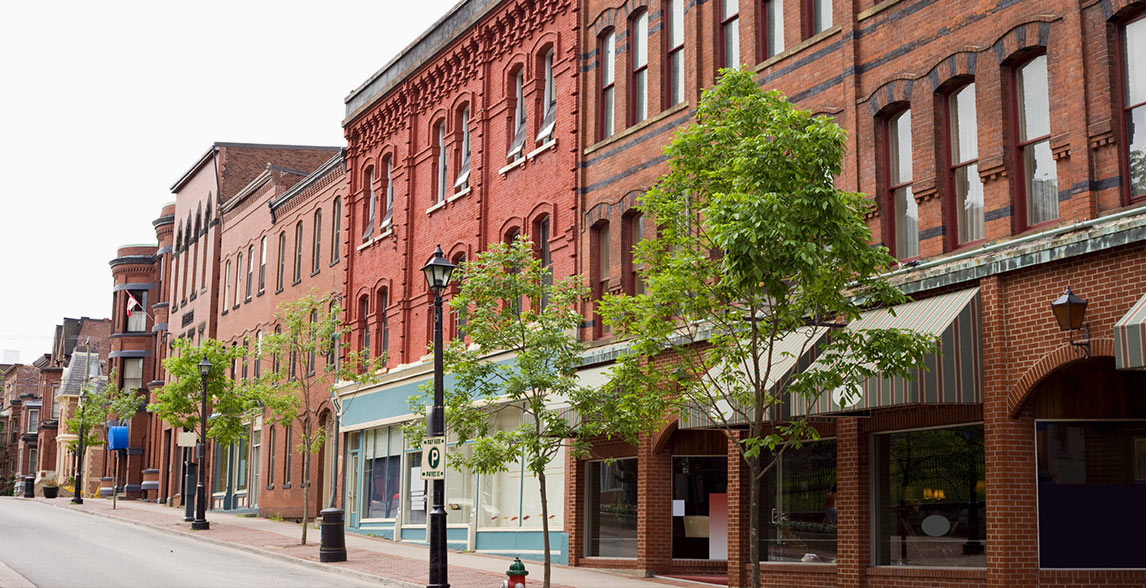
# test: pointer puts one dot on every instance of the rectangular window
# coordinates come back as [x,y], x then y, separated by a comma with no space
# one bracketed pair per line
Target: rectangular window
[729,33]
[545,254]
[443,167]
[298,252]
[772,27]
[1040,179]
[241,466]
[238,278]
[271,450]
[635,229]
[1134,104]
[606,58]
[963,172]
[904,223]
[464,153]
[55,402]
[368,229]
[417,502]
[517,144]
[1091,487]
[226,284]
[258,358]
[929,494]
[316,257]
[363,313]
[639,82]
[263,265]
[33,421]
[549,103]
[282,261]
[821,16]
[383,456]
[250,270]
[335,231]
[611,508]
[700,507]
[798,514]
[222,468]
[674,52]
[132,373]
[384,327]
[288,453]
[137,319]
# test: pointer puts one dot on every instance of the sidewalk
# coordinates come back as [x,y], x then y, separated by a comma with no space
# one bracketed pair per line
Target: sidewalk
[399,565]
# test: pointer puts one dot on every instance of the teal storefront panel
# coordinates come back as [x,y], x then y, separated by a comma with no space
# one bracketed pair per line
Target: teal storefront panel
[383,530]
[524,544]
[456,538]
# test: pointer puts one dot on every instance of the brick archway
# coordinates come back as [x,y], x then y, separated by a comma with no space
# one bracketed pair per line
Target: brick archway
[664,435]
[1048,363]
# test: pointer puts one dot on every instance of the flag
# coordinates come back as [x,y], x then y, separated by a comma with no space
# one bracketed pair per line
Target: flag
[132,303]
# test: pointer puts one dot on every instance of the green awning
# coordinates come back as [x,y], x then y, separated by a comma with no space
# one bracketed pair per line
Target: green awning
[952,376]
[1130,338]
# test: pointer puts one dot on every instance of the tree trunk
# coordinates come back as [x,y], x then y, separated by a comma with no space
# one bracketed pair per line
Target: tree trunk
[754,520]
[305,493]
[544,525]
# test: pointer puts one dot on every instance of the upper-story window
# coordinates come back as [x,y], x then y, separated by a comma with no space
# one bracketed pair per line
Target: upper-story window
[298,251]
[250,270]
[1038,186]
[902,224]
[462,181]
[963,165]
[258,358]
[316,256]
[548,100]
[368,207]
[728,35]
[335,230]
[226,285]
[606,56]
[132,373]
[238,278]
[634,233]
[674,52]
[639,77]
[517,144]
[263,265]
[136,313]
[312,356]
[282,262]
[600,243]
[817,17]
[363,330]
[383,322]
[33,420]
[541,232]
[440,161]
[771,28]
[1134,104]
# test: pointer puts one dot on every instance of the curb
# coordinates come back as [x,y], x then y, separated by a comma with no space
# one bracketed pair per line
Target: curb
[305,563]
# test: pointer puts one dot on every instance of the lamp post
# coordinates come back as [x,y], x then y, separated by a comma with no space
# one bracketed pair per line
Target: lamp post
[200,523]
[92,371]
[438,271]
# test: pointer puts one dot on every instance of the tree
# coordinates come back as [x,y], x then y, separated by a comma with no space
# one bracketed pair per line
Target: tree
[755,245]
[510,304]
[98,402]
[310,329]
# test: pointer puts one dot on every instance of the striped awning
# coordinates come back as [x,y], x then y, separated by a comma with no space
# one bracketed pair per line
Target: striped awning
[795,350]
[952,376]
[1130,338]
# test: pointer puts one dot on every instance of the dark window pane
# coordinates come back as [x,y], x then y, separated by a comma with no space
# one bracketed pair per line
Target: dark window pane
[798,507]
[700,507]
[611,508]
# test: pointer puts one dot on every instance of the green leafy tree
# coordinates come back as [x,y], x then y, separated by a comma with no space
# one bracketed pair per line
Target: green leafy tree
[98,404]
[510,304]
[310,330]
[756,244]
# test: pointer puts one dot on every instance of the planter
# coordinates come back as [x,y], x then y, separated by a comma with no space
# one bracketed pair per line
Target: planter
[150,480]
[106,486]
[51,491]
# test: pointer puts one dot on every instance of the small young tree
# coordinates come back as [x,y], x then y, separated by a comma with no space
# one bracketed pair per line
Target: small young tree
[97,404]
[756,246]
[510,303]
[298,391]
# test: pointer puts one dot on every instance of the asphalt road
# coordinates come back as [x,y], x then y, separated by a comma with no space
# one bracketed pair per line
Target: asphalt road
[51,547]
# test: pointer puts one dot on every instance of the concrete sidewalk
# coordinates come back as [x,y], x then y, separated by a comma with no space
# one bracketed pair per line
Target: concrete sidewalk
[400,565]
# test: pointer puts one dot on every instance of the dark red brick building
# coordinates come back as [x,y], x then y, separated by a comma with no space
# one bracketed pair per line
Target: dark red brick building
[1001,144]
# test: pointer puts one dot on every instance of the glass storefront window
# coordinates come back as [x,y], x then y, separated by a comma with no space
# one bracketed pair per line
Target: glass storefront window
[1091,485]
[241,466]
[798,513]
[930,498]
[459,490]
[554,490]
[611,508]
[417,499]
[700,507]
[383,472]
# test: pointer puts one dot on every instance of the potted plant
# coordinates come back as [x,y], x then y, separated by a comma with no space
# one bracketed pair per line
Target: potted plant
[51,489]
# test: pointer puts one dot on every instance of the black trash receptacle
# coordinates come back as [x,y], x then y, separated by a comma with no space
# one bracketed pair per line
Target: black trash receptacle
[333,536]
[30,487]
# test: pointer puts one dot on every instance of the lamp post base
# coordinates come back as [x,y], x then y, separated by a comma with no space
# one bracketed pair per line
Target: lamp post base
[77,500]
[200,525]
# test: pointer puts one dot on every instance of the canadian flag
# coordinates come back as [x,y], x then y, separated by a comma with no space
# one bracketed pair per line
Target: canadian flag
[132,303]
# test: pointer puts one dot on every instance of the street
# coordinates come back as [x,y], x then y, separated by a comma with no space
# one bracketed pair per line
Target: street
[54,547]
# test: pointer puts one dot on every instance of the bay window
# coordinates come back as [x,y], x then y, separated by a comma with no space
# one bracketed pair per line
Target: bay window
[238,279]
[963,182]
[282,261]
[132,373]
[1038,185]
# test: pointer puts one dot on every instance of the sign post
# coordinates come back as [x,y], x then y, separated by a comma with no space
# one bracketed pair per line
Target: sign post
[434,458]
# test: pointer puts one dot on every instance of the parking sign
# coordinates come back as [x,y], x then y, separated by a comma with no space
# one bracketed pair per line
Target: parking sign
[434,458]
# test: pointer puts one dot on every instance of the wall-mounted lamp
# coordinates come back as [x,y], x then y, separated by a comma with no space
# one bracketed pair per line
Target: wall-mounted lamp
[1070,311]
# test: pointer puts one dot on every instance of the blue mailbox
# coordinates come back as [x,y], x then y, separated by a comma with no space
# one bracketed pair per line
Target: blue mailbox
[117,437]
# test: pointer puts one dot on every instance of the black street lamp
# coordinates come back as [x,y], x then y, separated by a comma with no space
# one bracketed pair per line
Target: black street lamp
[200,523]
[438,271]
[1070,311]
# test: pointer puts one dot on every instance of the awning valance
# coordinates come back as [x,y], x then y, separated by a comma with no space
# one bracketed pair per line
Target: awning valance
[953,375]
[1130,338]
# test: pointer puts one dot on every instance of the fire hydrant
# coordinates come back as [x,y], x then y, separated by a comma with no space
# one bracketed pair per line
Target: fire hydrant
[516,574]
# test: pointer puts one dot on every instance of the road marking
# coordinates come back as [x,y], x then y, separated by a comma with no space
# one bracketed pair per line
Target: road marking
[10,578]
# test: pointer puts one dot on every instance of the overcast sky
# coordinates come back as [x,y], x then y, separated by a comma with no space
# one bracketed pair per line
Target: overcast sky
[104,105]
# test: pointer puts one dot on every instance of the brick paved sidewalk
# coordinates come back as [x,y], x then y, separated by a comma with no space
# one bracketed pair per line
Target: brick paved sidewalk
[400,565]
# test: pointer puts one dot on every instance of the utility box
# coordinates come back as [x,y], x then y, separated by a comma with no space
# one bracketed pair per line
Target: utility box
[117,437]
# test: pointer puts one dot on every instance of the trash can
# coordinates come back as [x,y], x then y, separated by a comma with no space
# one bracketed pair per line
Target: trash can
[30,487]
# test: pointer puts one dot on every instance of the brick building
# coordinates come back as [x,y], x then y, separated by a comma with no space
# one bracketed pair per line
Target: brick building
[282,239]
[21,384]
[466,138]
[1001,145]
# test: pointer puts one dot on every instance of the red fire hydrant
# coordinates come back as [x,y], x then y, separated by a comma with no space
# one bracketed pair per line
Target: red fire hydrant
[516,574]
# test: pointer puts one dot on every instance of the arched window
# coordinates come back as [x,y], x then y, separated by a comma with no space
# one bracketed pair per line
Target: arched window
[383,322]
[206,244]
[238,278]
[389,211]
[517,123]
[298,252]
[335,230]
[674,52]
[263,265]
[363,329]
[317,256]
[966,190]
[462,181]
[1036,187]
[600,247]
[282,262]
[440,161]
[902,218]
[548,100]
[634,232]
[639,62]
[258,359]
[311,359]
[368,207]
[606,58]
[541,233]
[226,285]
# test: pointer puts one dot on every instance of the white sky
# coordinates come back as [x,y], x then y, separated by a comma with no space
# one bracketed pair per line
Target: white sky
[104,105]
